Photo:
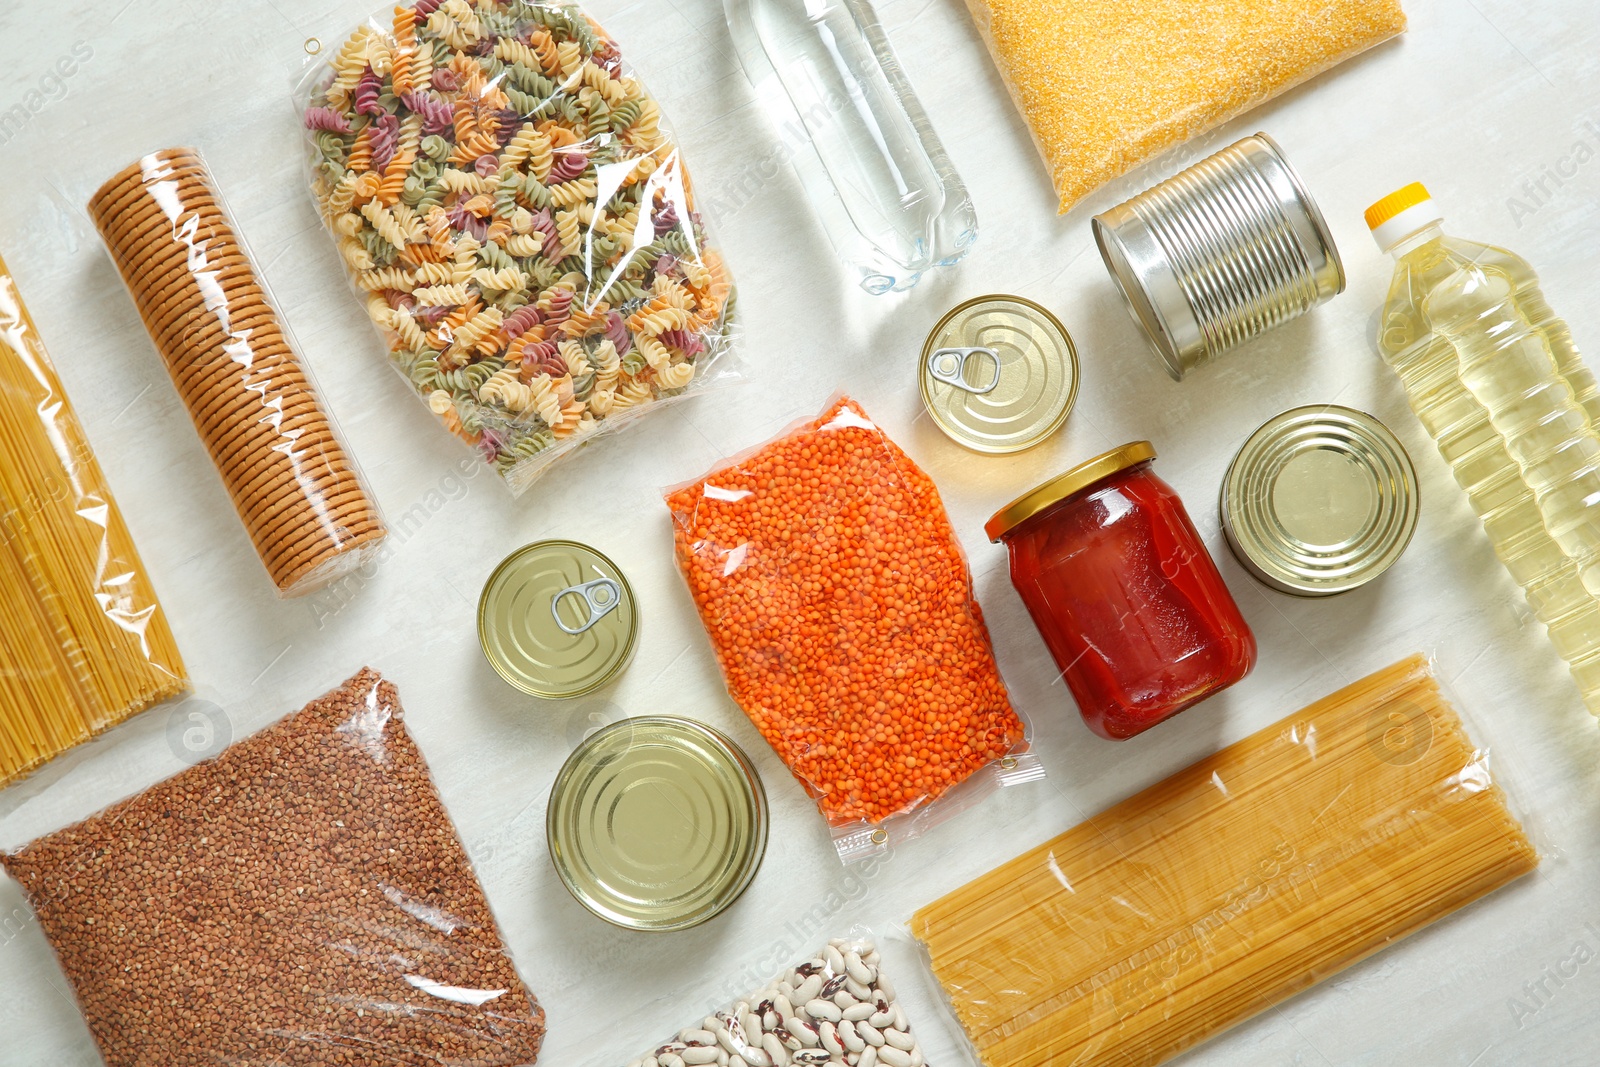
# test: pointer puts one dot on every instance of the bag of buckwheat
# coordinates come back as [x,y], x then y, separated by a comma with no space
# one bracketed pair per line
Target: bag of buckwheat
[300,899]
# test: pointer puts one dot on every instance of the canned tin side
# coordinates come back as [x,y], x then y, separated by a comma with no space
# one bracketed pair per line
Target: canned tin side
[1219,253]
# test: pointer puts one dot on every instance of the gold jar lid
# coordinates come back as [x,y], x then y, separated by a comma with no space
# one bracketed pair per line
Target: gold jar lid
[1062,486]
[1320,500]
[557,619]
[998,374]
[657,823]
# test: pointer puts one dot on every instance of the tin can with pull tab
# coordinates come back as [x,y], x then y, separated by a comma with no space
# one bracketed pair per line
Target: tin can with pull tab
[557,619]
[999,374]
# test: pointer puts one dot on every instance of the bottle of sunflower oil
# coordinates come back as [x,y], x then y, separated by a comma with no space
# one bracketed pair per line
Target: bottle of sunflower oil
[1497,381]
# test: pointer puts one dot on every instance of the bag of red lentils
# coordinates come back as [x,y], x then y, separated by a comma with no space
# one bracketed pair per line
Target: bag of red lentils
[841,610]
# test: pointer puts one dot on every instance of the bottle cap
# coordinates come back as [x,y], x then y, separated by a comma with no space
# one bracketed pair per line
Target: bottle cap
[1401,214]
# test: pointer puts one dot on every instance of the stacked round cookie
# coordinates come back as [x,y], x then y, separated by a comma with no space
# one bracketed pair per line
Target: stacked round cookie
[298,493]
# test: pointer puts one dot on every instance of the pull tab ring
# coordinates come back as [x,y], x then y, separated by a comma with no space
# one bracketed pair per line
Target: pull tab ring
[949,365]
[601,595]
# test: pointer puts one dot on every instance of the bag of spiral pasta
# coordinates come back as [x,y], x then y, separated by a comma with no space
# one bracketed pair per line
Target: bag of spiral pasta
[518,222]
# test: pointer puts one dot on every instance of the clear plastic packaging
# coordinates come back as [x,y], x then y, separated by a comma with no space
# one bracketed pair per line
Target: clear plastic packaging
[841,610]
[301,898]
[518,223]
[834,1008]
[878,179]
[1106,85]
[238,370]
[84,643]
[1231,885]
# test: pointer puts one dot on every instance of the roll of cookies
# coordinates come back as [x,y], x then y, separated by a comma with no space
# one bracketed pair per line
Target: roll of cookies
[238,371]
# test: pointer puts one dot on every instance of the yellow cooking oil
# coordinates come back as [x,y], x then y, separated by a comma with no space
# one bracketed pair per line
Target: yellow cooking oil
[1497,381]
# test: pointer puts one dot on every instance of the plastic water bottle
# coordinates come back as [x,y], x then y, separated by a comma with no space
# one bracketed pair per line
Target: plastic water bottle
[1497,381]
[878,179]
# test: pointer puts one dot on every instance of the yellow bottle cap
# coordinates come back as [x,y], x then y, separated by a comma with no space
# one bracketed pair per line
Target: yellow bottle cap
[1396,202]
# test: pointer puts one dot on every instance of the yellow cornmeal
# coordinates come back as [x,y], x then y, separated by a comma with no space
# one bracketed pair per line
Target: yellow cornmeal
[1107,84]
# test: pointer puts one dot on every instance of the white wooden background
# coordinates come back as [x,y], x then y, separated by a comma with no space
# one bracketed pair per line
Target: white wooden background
[1481,97]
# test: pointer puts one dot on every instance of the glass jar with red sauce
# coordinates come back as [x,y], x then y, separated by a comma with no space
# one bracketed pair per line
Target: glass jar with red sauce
[1124,592]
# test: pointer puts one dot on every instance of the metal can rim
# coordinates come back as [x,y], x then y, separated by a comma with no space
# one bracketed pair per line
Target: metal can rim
[1134,286]
[1072,362]
[519,684]
[760,818]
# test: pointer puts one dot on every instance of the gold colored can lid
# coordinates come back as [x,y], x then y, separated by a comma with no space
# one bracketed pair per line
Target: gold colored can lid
[657,823]
[557,619]
[999,374]
[1320,500]
[1062,486]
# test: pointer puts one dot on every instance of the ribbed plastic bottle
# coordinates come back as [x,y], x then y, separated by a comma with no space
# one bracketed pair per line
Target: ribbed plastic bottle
[1497,381]
[874,171]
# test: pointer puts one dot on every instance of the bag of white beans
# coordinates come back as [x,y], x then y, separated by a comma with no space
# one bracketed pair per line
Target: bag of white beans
[836,1007]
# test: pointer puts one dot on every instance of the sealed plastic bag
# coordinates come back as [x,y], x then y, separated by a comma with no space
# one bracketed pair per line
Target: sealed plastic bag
[835,1008]
[1107,84]
[238,370]
[301,898]
[1230,886]
[841,610]
[84,643]
[517,221]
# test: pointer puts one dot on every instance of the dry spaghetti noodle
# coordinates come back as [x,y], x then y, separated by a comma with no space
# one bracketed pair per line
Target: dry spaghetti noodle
[1229,886]
[83,641]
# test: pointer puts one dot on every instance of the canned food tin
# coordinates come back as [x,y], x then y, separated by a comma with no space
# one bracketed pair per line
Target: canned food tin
[657,823]
[557,619]
[999,374]
[1319,500]
[1228,249]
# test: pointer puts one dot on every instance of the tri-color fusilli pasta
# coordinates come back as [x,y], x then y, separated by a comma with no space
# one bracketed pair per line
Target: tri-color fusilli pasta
[522,231]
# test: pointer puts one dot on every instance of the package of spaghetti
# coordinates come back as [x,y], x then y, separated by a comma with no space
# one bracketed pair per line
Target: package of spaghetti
[836,1008]
[84,643]
[238,370]
[1230,886]
[518,223]
[302,898]
[841,610]
[1107,84]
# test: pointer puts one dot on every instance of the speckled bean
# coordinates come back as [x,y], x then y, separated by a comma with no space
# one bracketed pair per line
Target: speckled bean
[830,1039]
[893,1057]
[899,1040]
